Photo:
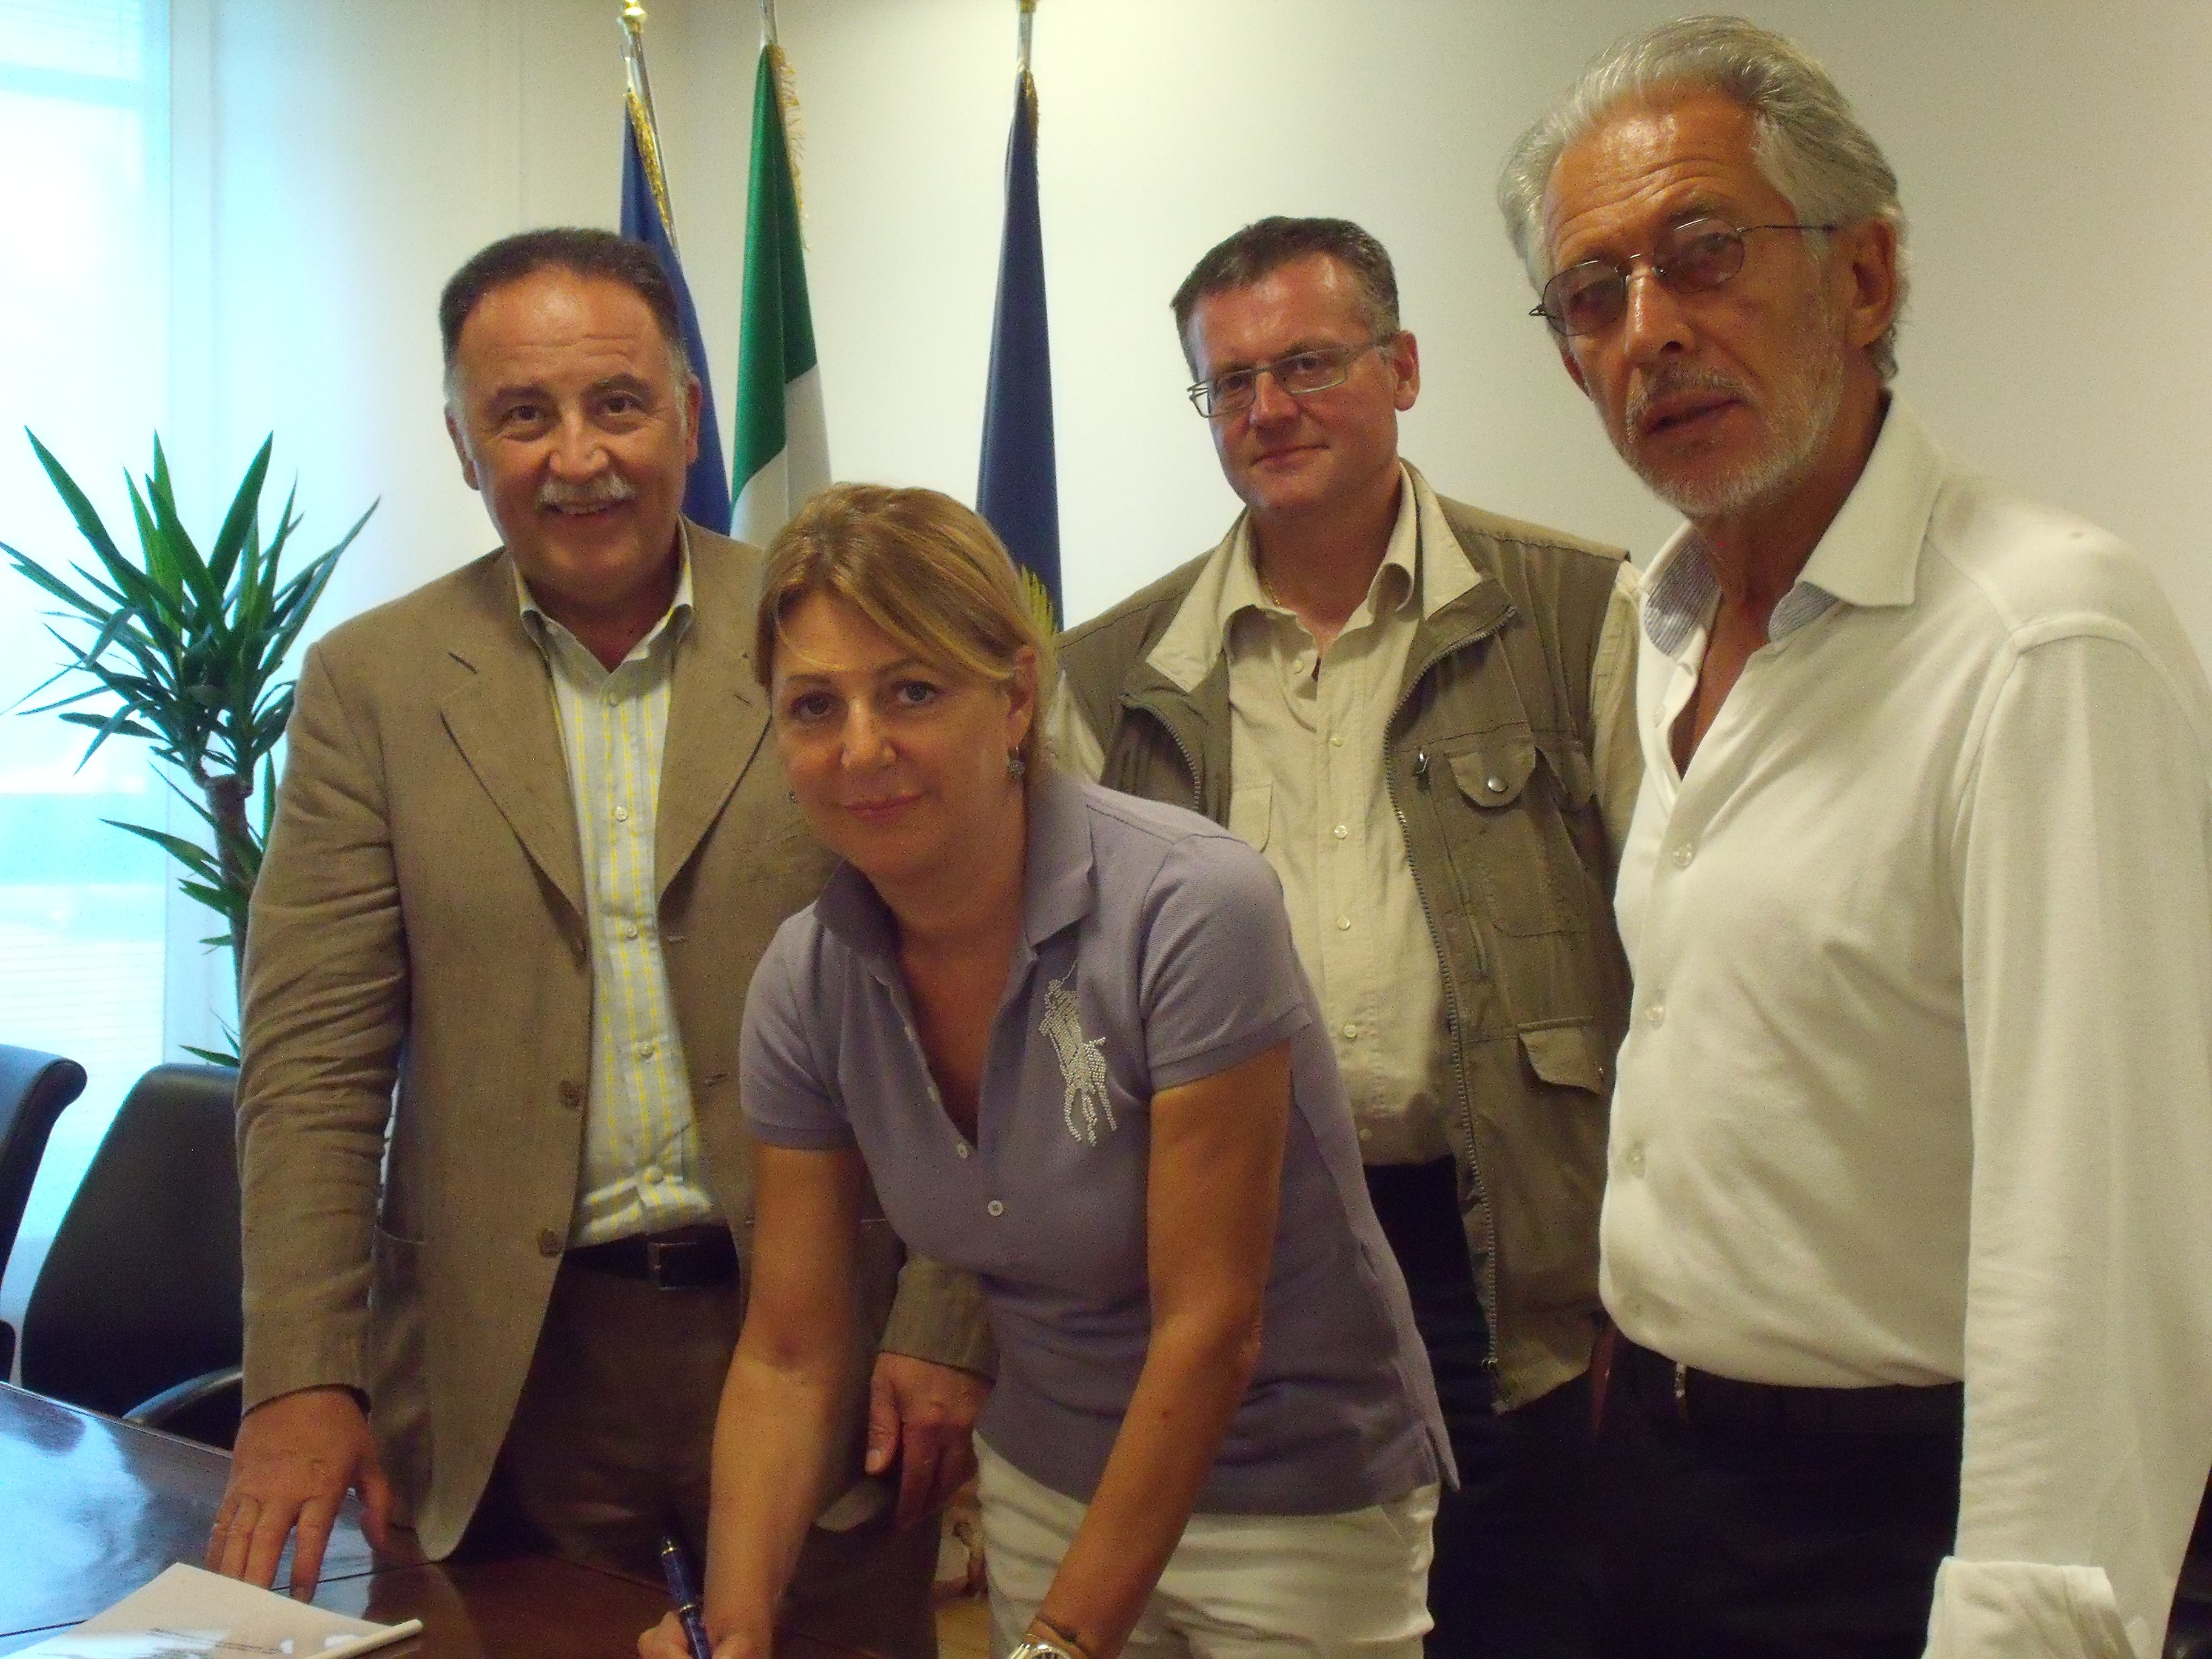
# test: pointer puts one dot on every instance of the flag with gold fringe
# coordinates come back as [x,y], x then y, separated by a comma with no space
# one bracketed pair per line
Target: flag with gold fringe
[1017,489]
[647,217]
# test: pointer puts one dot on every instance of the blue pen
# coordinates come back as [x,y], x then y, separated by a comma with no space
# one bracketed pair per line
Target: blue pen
[681,1591]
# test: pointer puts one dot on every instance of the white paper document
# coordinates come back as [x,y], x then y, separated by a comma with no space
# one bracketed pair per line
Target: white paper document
[187,1614]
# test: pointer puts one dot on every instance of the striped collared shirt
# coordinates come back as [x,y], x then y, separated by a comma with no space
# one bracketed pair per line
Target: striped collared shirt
[643,1168]
[1681,591]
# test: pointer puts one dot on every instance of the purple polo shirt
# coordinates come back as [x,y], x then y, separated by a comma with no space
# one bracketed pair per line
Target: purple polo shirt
[1155,951]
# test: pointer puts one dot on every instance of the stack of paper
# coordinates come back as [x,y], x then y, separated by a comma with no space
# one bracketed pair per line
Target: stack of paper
[186,1614]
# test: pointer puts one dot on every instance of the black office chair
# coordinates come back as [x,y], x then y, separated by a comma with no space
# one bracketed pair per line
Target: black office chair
[136,1312]
[34,1088]
[2189,1630]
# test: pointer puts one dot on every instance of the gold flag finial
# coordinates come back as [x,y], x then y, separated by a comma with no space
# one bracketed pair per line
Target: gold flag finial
[1028,17]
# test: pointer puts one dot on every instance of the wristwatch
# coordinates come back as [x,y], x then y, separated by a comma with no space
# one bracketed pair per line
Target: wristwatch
[1041,1647]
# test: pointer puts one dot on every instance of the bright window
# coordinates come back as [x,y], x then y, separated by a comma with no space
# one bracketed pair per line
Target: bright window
[83,310]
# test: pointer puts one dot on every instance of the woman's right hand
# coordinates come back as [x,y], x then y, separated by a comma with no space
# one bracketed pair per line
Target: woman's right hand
[666,1640]
[780,1430]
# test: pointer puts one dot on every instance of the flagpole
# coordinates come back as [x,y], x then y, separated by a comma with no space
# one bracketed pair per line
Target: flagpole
[648,217]
[648,125]
[633,25]
[783,442]
[1017,486]
[786,97]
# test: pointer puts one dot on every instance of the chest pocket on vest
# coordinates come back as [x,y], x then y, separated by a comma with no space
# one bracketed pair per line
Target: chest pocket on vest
[1513,848]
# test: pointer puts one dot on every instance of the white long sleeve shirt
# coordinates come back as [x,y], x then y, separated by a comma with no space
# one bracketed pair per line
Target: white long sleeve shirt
[1918,1081]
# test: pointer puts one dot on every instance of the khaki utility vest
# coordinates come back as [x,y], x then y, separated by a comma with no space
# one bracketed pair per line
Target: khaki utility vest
[1488,763]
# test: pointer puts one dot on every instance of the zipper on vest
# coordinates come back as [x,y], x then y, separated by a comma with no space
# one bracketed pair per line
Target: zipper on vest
[1452,1016]
[1189,766]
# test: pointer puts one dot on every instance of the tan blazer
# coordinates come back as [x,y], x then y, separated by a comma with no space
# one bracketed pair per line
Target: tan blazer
[420,919]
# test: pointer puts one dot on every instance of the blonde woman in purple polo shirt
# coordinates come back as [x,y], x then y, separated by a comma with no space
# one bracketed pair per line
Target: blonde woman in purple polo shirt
[1064,1033]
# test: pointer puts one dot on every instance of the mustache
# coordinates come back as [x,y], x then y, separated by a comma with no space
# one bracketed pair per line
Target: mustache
[610,489]
[1670,379]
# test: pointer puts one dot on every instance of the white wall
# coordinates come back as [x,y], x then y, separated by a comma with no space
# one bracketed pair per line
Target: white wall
[335,162]
[2053,158]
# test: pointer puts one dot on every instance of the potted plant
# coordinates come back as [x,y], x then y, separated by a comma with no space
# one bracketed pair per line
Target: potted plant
[185,650]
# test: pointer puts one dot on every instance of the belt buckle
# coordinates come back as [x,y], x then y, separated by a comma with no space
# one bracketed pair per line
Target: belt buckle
[664,1260]
[1681,1392]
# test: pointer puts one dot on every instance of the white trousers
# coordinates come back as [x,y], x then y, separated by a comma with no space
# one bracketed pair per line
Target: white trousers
[1353,1584]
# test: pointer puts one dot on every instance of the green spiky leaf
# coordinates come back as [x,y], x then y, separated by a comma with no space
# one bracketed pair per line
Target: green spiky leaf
[191,649]
[78,503]
[239,524]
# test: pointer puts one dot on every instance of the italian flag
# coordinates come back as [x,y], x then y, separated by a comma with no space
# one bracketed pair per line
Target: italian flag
[782,443]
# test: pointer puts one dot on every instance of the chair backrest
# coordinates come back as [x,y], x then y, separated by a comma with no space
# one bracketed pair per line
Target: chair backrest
[2189,1626]
[34,1088]
[140,1289]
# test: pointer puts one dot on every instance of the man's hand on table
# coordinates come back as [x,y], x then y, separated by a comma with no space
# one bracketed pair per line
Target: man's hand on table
[295,1458]
[921,1415]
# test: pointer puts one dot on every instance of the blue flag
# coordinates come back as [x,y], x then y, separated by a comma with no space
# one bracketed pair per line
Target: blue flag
[644,219]
[1018,491]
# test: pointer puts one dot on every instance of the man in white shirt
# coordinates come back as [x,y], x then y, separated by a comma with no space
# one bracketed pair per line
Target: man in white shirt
[1910,1189]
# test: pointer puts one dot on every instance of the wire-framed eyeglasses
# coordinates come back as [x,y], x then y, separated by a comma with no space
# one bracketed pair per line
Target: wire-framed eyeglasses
[1299,373]
[1691,256]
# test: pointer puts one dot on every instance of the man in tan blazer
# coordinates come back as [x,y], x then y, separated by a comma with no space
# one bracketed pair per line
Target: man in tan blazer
[530,841]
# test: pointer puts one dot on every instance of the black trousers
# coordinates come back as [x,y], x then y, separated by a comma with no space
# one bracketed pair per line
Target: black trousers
[1514,1572]
[1727,1541]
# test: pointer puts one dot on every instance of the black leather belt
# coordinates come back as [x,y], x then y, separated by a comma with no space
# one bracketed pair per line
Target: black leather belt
[1679,1391]
[698,1257]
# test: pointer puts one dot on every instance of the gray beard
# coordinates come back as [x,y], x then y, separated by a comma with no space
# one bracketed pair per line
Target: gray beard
[1803,414]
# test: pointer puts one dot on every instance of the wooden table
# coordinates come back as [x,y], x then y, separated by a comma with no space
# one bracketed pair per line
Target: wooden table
[91,1508]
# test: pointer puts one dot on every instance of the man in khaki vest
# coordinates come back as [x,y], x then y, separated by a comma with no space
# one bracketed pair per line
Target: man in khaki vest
[529,844]
[1422,715]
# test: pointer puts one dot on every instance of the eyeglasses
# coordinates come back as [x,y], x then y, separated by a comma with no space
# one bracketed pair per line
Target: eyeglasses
[1693,257]
[1300,373]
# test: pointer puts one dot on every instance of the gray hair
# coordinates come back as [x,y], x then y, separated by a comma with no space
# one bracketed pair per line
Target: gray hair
[1806,142]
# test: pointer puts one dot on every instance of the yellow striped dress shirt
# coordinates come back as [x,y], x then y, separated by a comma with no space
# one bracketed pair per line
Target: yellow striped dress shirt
[642,1167]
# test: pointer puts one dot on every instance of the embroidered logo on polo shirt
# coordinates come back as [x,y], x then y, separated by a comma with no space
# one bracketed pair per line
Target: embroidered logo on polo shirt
[1082,1064]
